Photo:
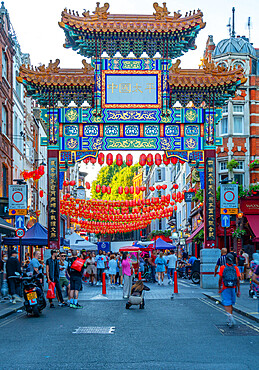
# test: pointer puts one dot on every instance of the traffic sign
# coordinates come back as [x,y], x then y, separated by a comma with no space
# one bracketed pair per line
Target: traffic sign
[228,211]
[188,196]
[18,196]
[18,212]
[225,220]
[19,222]
[229,196]
[20,233]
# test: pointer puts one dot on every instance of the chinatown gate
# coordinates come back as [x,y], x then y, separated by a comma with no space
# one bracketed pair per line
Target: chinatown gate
[127,104]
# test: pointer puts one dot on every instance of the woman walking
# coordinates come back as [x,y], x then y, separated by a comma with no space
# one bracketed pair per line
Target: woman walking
[91,268]
[160,268]
[126,272]
[112,270]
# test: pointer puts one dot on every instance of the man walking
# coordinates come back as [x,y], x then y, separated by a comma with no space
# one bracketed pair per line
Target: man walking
[13,268]
[52,272]
[171,266]
[221,261]
[35,266]
[75,280]
[63,265]
[100,259]
[229,276]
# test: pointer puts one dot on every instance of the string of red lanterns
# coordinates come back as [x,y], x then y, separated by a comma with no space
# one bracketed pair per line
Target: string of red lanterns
[35,175]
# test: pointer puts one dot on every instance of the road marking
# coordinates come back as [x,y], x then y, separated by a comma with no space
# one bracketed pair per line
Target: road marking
[94,330]
[237,318]
[99,296]
[8,321]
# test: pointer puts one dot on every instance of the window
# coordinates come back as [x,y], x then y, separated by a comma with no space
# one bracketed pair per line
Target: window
[4,120]
[238,124]
[224,125]
[4,65]
[160,224]
[159,175]
[225,109]
[223,176]
[4,180]
[223,166]
[238,108]
[183,179]
[159,193]
[239,178]
[240,166]
[18,86]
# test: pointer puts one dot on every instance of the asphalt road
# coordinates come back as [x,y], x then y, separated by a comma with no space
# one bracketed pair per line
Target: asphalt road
[178,334]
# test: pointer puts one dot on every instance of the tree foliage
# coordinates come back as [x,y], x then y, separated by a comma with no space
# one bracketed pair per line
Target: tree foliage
[114,176]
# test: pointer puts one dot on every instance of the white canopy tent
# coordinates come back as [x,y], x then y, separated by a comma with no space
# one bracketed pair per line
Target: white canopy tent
[79,243]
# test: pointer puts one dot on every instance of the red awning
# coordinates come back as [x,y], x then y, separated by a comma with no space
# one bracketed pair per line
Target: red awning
[254,224]
[189,240]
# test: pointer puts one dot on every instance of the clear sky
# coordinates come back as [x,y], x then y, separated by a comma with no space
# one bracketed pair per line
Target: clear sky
[36,24]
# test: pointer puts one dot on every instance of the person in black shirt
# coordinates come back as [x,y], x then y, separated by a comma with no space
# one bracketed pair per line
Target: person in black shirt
[52,272]
[75,281]
[234,255]
[13,268]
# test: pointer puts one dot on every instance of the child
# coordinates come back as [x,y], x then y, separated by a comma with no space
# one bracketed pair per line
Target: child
[112,270]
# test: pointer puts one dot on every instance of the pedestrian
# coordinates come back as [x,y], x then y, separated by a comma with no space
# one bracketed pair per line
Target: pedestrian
[35,265]
[91,268]
[246,266]
[234,255]
[127,274]
[100,260]
[221,260]
[151,261]
[112,270]
[13,268]
[136,296]
[160,268]
[63,273]
[171,266]
[255,282]
[75,270]
[229,276]
[52,273]
[241,265]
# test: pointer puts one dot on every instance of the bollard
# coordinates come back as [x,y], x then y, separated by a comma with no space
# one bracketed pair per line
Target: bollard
[139,275]
[104,284]
[175,282]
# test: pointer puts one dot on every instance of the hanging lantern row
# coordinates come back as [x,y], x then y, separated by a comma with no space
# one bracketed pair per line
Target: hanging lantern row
[35,175]
[143,160]
[69,183]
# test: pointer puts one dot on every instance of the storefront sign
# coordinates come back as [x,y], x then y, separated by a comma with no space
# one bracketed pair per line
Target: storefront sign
[53,213]
[210,199]
[250,206]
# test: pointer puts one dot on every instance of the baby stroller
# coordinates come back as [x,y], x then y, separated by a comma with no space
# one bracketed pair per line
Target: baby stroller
[137,295]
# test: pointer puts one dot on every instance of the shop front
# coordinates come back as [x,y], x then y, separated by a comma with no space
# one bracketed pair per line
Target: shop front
[250,209]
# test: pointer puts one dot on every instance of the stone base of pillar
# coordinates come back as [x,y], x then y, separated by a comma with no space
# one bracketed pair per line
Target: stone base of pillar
[209,259]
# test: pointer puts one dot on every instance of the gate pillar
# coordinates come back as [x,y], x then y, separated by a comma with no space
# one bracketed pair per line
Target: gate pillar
[53,200]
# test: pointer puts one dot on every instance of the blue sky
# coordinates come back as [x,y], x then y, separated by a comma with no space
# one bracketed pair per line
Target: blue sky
[36,24]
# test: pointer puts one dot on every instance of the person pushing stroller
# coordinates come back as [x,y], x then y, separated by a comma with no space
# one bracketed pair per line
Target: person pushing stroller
[137,295]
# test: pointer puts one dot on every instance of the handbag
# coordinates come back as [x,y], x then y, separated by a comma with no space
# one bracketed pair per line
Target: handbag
[78,264]
[51,291]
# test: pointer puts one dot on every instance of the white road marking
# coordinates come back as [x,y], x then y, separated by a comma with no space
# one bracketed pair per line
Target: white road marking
[94,330]
[99,296]
[8,321]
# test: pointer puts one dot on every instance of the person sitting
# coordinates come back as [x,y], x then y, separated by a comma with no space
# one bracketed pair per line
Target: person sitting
[136,296]
[189,265]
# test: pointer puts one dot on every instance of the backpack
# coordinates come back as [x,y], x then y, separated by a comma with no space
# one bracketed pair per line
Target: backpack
[78,264]
[229,276]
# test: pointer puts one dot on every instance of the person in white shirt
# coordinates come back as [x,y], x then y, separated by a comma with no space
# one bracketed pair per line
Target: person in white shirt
[171,266]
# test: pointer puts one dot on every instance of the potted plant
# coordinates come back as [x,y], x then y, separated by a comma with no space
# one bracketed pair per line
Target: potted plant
[238,233]
[254,163]
[232,164]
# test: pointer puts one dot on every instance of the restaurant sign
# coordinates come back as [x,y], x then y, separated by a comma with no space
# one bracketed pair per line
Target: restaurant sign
[210,199]
[53,211]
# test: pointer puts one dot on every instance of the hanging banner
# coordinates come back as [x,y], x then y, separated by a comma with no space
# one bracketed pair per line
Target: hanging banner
[210,198]
[53,200]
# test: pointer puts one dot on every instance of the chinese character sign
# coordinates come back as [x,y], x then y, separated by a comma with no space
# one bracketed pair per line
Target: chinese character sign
[53,213]
[210,199]
[131,90]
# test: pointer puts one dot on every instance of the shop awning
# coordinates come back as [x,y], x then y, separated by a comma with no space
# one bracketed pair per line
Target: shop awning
[5,227]
[199,228]
[254,224]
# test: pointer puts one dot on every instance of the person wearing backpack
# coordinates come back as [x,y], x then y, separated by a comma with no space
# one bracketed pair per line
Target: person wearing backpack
[75,270]
[229,276]
[241,260]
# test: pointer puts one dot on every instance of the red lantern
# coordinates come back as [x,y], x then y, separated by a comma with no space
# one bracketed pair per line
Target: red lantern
[66,183]
[164,186]
[142,160]
[132,190]
[108,190]
[103,189]
[175,208]
[87,185]
[109,159]
[175,186]
[120,189]
[119,160]
[41,193]
[129,159]
[158,187]
[126,190]
[166,160]
[98,188]
[174,160]
[182,162]
[151,188]
[72,183]
[137,190]
[158,159]
[41,170]
[101,159]
[142,188]
[86,160]
[150,160]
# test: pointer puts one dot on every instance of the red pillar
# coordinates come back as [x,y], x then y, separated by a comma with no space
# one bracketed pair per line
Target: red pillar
[53,200]
[209,215]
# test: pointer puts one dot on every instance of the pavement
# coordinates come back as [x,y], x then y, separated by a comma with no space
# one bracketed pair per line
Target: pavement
[168,334]
[7,308]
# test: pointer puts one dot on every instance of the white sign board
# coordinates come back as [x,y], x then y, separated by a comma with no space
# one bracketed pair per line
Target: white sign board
[18,197]
[229,196]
